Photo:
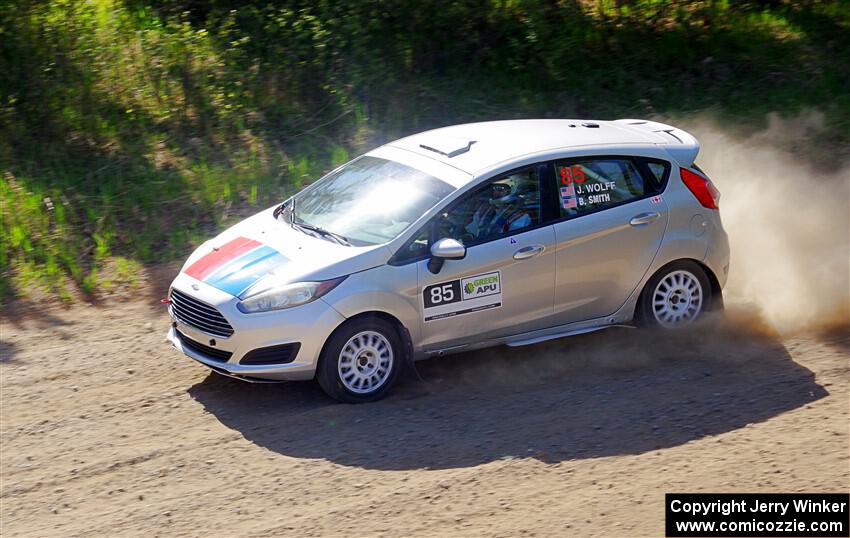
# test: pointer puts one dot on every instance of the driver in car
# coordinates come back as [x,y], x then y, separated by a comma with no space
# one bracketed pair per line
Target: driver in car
[500,213]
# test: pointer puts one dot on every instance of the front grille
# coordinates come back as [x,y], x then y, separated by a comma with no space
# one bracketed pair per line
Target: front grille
[209,352]
[272,355]
[199,315]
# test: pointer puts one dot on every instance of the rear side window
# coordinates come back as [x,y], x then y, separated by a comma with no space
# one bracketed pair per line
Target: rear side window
[658,169]
[589,184]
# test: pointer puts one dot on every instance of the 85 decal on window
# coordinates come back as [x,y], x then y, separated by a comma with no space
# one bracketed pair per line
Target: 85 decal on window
[462,296]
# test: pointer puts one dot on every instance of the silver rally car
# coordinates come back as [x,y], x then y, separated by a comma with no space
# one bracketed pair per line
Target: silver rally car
[507,232]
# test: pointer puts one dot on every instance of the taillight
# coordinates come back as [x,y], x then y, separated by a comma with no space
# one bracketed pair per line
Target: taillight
[704,190]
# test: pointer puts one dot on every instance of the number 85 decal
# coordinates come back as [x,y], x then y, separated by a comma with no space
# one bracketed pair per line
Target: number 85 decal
[570,174]
[442,294]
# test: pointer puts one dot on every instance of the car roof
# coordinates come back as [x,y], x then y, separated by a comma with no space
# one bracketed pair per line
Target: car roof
[475,147]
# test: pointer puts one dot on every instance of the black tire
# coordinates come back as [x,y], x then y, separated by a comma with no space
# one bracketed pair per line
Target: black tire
[650,314]
[371,355]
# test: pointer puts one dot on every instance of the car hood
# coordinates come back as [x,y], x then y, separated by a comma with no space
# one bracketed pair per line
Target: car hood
[262,253]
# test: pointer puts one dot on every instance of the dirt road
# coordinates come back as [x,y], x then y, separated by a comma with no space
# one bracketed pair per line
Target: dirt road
[107,431]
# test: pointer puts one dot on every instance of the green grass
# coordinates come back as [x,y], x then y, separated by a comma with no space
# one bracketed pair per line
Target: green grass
[131,130]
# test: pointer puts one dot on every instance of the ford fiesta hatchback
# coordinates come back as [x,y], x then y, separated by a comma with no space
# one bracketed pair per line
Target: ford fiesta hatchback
[508,232]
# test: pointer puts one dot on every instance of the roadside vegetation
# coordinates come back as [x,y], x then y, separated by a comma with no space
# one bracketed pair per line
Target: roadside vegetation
[130,130]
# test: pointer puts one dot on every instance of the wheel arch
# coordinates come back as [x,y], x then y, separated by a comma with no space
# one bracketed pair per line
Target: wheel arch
[716,291]
[716,288]
[401,330]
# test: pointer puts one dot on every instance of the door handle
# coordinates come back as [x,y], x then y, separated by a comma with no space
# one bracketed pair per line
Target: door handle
[644,218]
[528,252]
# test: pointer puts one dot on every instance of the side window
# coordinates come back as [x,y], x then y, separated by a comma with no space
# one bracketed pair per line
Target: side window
[593,183]
[502,206]
[415,248]
[658,169]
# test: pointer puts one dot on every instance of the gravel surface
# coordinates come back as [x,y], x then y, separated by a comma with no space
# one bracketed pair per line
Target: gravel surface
[107,431]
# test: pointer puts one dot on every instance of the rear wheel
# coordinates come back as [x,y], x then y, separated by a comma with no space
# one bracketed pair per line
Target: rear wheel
[675,296]
[360,361]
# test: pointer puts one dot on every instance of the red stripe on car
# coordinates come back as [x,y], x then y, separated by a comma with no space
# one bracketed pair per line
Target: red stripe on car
[221,255]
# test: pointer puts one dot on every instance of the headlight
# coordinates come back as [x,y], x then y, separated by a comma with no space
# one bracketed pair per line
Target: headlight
[287,296]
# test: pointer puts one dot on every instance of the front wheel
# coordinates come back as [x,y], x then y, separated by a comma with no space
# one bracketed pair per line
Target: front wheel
[360,361]
[675,296]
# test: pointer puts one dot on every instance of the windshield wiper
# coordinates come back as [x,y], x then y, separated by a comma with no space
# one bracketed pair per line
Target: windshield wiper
[321,231]
[303,226]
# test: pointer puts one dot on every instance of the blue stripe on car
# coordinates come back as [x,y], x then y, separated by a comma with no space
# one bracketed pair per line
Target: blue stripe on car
[238,275]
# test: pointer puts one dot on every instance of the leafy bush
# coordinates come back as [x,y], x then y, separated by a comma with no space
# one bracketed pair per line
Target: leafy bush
[134,128]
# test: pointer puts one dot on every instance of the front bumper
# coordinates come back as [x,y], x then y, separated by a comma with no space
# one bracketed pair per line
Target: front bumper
[308,325]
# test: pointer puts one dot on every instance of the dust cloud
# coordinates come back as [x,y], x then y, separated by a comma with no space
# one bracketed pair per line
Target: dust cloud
[787,214]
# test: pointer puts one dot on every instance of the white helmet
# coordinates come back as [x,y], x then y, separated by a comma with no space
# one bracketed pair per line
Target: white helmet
[504,192]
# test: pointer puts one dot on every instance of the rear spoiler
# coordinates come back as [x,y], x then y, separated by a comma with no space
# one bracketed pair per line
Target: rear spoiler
[680,144]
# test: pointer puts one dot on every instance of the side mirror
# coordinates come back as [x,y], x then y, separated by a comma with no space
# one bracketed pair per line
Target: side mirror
[445,249]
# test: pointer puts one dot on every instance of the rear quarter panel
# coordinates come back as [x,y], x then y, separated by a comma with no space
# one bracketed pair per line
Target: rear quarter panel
[686,236]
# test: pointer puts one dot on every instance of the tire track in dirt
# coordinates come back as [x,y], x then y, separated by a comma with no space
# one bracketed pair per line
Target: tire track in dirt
[578,436]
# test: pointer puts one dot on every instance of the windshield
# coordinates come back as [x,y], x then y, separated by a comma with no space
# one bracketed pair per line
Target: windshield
[370,200]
